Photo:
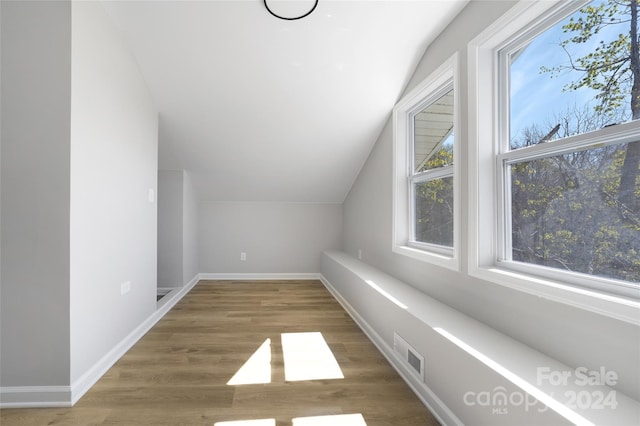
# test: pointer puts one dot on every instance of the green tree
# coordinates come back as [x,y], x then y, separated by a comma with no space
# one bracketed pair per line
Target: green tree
[612,69]
[565,212]
[434,203]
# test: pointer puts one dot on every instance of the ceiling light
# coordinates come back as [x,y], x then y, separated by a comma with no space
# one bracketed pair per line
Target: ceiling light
[292,18]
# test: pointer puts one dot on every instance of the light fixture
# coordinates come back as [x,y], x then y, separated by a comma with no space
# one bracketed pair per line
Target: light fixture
[294,18]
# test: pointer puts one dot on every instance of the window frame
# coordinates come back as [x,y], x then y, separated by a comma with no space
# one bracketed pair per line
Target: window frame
[614,135]
[434,86]
[488,132]
[414,180]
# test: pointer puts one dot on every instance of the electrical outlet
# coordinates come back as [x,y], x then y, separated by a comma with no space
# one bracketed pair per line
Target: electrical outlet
[125,287]
[243,256]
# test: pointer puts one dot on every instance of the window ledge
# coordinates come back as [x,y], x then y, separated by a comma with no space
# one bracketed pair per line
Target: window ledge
[518,363]
[617,307]
[450,262]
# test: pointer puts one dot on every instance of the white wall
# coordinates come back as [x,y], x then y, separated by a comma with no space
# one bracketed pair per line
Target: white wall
[177,229]
[170,223]
[36,102]
[277,237]
[190,231]
[113,168]
[572,336]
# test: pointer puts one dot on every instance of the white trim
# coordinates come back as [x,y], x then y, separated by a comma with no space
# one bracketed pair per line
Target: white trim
[432,174]
[259,276]
[444,76]
[483,131]
[610,135]
[35,396]
[67,396]
[612,306]
[438,408]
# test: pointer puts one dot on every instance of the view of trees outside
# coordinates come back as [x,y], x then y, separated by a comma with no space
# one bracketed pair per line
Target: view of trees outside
[433,168]
[434,202]
[579,211]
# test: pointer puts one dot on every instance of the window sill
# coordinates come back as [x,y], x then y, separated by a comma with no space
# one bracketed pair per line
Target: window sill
[617,307]
[450,262]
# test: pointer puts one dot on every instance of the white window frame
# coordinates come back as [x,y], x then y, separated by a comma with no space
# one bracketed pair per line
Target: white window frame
[487,213]
[438,83]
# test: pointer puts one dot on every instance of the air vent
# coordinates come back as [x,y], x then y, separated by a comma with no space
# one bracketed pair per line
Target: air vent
[414,361]
[409,355]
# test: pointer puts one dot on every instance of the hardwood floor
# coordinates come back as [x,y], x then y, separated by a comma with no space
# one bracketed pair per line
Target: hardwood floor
[177,373]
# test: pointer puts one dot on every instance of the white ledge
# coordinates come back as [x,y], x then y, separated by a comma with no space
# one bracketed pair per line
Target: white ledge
[520,364]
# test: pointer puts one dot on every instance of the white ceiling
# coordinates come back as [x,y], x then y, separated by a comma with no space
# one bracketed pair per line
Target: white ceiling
[261,109]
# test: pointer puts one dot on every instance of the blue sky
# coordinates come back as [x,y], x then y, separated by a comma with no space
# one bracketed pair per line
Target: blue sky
[535,96]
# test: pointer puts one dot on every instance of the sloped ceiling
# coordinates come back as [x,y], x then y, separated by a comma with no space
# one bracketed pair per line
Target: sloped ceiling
[261,109]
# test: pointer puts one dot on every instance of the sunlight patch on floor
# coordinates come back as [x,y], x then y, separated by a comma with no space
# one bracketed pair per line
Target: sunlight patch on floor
[256,370]
[335,420]
[308,357]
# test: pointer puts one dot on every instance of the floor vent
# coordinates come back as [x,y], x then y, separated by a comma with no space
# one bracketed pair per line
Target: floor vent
[409,355]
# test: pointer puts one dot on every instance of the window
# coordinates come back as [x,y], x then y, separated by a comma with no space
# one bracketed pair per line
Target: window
[431,177]
[425,164]
[555,151]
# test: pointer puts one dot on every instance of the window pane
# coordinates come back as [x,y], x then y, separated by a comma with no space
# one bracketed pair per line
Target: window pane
[434,211]
[433,135]
[579,212]
[575,77]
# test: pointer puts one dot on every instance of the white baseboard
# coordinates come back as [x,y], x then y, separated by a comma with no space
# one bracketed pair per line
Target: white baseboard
[259,276]
[438,408]
[88,379]
[67,396]
[35,396]
[174,295]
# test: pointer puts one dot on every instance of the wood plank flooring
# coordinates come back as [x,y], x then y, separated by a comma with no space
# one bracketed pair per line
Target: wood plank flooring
[177,373]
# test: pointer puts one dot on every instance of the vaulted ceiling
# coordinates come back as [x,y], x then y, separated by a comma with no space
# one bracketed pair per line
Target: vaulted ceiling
[262,109]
